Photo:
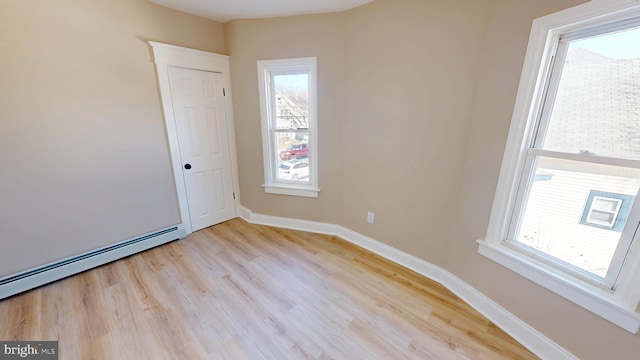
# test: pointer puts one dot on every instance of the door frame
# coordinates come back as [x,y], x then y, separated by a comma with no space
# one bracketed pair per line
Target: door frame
[165,56]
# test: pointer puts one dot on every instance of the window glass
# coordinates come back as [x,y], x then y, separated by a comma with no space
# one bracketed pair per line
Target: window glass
[552,217]
[604,211]
[291,147]
[292,101]
[598,99]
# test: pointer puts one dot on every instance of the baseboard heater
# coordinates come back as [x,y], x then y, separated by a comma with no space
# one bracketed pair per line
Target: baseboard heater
[27,280]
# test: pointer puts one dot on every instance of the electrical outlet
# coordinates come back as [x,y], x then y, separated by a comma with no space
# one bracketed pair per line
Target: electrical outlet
[370,216]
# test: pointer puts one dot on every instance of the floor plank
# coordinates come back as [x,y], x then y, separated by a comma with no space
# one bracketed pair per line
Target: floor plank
[244,291]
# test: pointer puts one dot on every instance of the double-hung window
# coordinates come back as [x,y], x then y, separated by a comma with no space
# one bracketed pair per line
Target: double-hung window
[287,89]
[566,213]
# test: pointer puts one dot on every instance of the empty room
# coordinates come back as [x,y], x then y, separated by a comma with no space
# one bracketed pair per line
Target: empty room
[321,179]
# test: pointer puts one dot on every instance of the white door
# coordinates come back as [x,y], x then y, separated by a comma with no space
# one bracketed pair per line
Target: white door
[201,124]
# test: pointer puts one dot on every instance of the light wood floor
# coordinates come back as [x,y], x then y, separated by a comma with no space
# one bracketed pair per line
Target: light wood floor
[242,291]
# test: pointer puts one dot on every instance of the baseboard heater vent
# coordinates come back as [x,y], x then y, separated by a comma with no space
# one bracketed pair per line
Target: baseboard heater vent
[30,279]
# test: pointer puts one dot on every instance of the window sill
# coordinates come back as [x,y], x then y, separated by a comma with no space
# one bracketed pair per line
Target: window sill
[596,300]
[291,190]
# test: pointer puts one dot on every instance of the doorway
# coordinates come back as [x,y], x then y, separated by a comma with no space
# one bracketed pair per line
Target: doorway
[196,100]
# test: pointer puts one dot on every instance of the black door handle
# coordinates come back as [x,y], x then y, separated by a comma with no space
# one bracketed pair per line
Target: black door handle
[187,166]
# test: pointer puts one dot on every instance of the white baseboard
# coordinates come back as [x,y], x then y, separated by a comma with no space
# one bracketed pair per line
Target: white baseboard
[529,337]
[33,278]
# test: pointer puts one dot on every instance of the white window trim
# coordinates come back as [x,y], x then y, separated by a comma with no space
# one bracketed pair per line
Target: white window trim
[271,185]
[615,212]
[619,305]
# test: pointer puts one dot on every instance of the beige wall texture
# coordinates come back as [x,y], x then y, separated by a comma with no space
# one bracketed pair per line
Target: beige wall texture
[390,120]
[415,103]
[84,158]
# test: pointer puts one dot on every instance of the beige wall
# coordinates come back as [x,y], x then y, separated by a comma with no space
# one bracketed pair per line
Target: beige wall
[251,40]
[84,158]
[390,118]
[415,104]
[411,69]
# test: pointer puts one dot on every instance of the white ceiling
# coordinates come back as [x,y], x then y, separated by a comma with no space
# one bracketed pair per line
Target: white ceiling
[225,10]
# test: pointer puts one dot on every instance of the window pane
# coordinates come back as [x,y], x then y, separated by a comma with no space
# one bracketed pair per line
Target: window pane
[292,101]
[605,204]
[561,208]
[597,108]
[604,218]
[292,156]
